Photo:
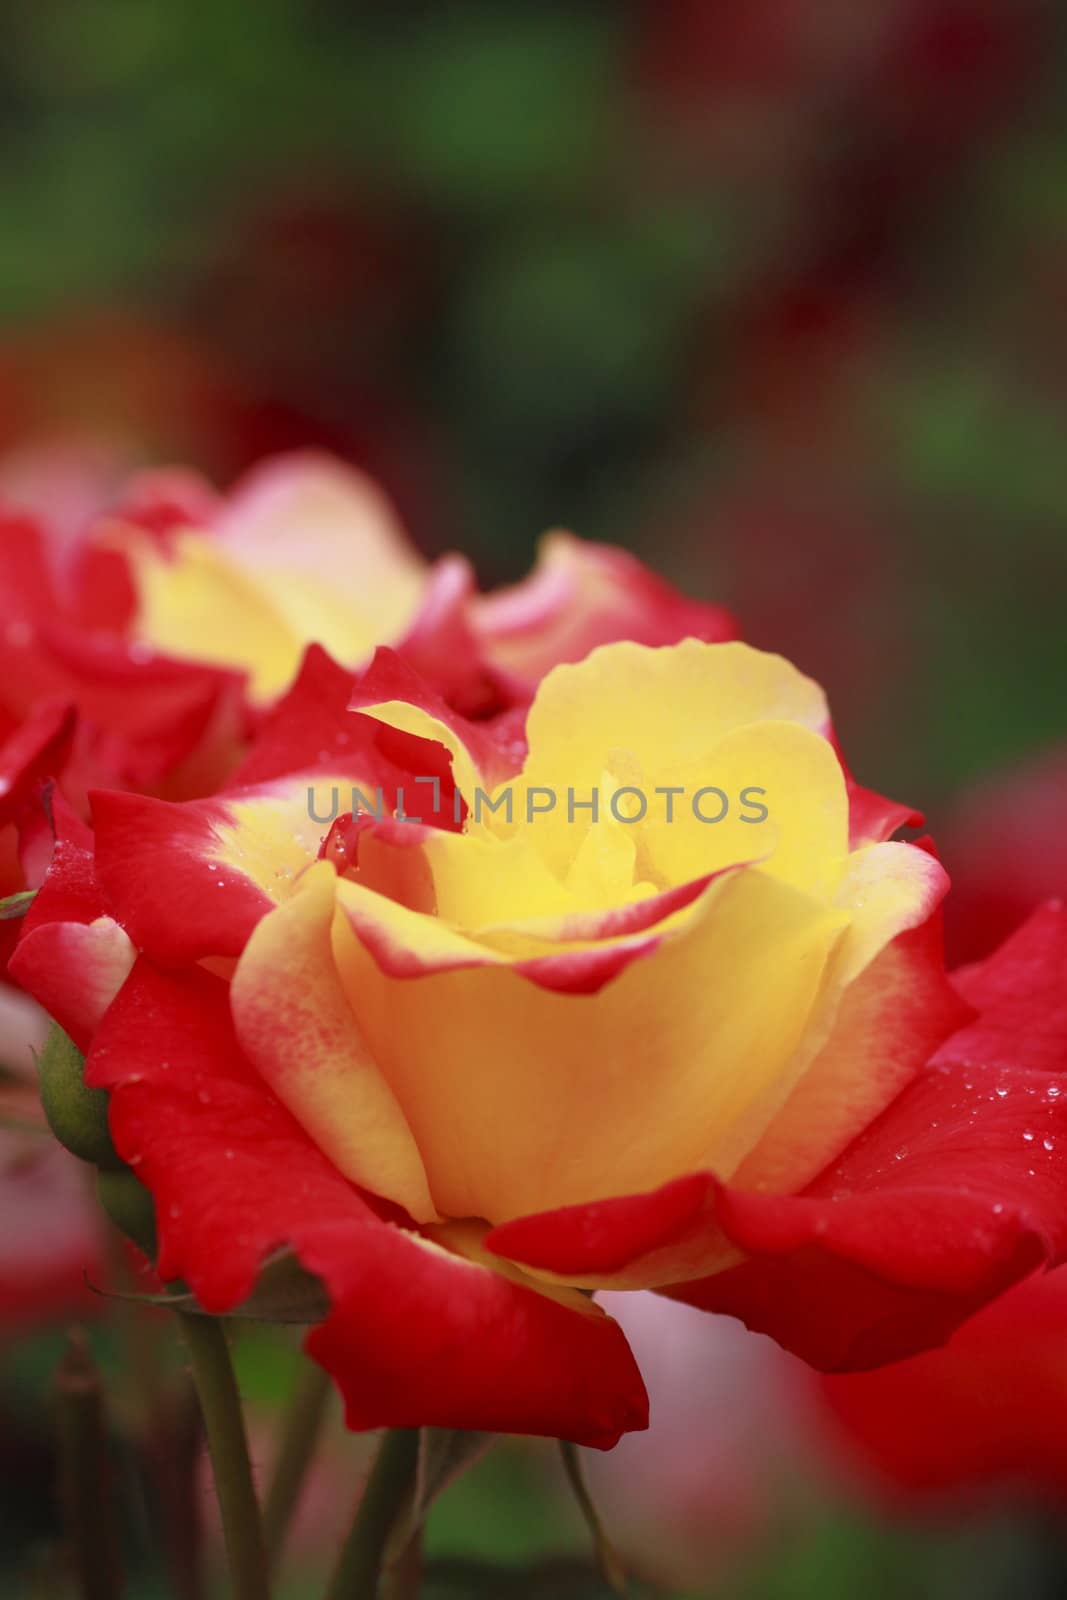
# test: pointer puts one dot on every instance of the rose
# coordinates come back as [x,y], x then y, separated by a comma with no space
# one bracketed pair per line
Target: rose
[306,549]
[171,726]
[176,616]
[464,1075]
[172,618]
[115,669]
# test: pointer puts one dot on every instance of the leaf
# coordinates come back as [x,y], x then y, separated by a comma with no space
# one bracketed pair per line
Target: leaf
[15,906]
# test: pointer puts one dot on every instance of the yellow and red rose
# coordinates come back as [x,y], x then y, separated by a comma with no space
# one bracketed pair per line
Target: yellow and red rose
[472,1067]
[177,617]
[142,648]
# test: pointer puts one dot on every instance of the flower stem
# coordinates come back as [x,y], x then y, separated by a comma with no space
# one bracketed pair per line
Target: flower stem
[607,1557]
[300,1435]
[221,1406]
[387,1490]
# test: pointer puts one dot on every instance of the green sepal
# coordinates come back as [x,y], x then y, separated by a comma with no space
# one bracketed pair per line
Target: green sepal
[76,1114]
[130,1207]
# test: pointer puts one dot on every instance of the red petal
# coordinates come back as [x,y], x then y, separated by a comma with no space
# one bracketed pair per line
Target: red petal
[1020,993]
[608,1235]
[417,1335]
[872,818]
[70,892]
[956,1192]
[72,970]
[989,1408]
[581,595]
[310,727]
[442,647]
[389,677]
[154,863]
[36,751]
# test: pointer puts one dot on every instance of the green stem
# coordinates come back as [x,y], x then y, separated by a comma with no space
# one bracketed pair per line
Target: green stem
[224,1423]
[301,1431]
[607,1557]
[404,1580]
[387,1491]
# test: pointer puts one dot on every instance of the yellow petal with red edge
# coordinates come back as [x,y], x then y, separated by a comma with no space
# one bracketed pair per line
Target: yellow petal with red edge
[417,720]
[888,889]
[304,550]
[297,1028]
[521,1099]
[802,835]
[194,602]
[892,1005]
[272,834]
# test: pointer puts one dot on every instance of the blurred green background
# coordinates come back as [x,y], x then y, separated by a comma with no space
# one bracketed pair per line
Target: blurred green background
[773,293]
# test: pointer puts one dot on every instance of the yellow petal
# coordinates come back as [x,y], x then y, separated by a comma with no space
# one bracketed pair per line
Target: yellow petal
[522,1099]
[272,834]
[195,603]
[297,1028]
[305,550]
[656,718]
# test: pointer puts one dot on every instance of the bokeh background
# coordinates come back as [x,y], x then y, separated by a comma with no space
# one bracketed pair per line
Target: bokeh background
[774,293]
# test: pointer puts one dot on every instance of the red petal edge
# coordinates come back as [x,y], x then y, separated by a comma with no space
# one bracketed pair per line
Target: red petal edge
[416,1335]
[956,1192]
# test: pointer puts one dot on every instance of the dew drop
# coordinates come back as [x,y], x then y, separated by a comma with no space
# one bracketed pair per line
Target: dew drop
[1049,1144]
[1028,1135]
[1001,1094]
[1053,1091]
